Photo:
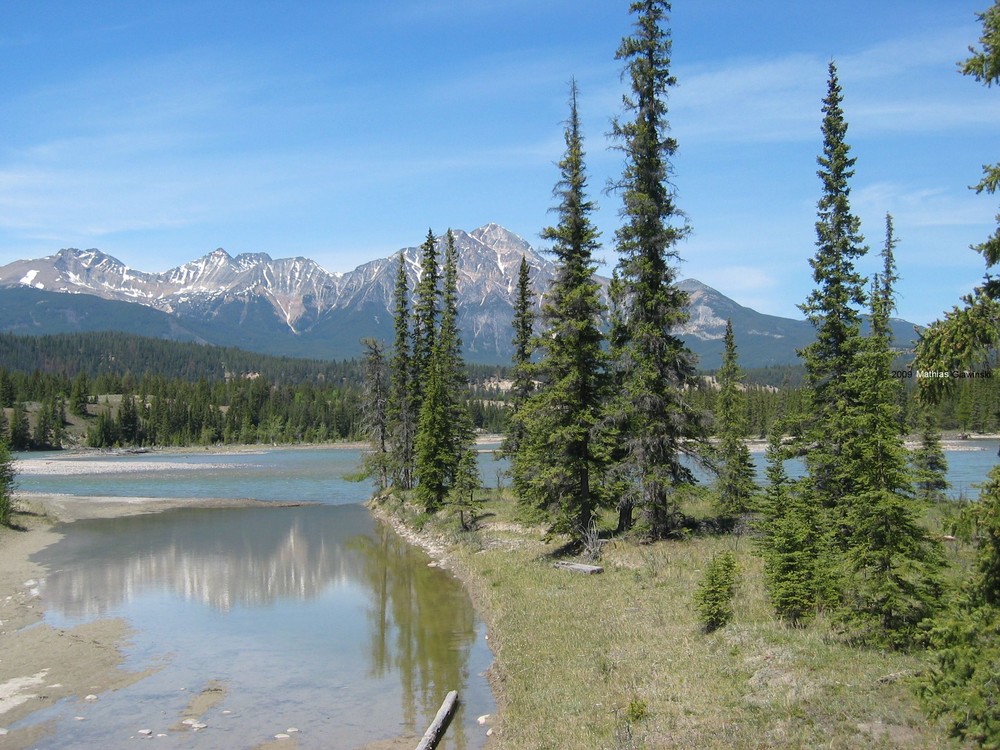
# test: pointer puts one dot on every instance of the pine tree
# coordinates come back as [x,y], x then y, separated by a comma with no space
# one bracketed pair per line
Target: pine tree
[736,473]
[7,474]
[557,459]
[652,415]
[444,430]
[20,431]
[401,408]
[523,324]
[793,542]
[962,686]
[930,466]
[892,565]
[714,596]
[832,305]
[426,312]
[79,395]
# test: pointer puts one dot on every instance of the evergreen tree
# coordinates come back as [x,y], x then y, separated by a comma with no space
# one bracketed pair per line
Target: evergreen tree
[832,305]
[930,465]
[20,431]
[401,405]
[426,312]
[375,414]
[523,324]
[736,472]
[970,334]
[7,474]
[714,596]
[652,415]
[892,565]
[444,430]
[793,542]
[79,396]
[962,686]
[128,427]
[557,459]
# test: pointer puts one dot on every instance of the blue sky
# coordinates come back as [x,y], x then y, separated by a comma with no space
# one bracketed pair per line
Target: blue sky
[342,130]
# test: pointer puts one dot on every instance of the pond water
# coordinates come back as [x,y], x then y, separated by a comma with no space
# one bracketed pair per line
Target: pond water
[314,617]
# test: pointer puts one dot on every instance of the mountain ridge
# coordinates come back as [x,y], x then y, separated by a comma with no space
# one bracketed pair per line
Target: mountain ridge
[295,307]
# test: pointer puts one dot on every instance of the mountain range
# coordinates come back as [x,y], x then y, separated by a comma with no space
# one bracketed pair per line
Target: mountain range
[294,307]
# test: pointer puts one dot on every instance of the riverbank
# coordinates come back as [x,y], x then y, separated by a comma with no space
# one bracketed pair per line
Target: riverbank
[618,660]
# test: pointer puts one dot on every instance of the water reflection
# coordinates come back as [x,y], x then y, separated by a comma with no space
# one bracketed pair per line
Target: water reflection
[320,604]
[220,557]
[419,628]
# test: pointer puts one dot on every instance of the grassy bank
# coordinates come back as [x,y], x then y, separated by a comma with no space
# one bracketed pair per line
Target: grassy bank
[618,660]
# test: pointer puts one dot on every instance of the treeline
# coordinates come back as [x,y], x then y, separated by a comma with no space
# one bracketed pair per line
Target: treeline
[109,353]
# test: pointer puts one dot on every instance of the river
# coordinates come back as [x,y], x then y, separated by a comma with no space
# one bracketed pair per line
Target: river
[316,618]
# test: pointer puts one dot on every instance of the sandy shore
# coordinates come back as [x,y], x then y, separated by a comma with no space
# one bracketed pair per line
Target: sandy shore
[39,664]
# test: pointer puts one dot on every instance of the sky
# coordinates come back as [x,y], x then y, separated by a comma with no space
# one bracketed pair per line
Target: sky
[342,130]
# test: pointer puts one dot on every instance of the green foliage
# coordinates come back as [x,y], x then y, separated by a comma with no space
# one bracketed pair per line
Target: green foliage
[402,403]
[798,564]
[7,474]
[557,459]
[652,419]
[714,597]
[962,687]
[375,416]
[930,466]
[968,334]
[523,323]
[736,473]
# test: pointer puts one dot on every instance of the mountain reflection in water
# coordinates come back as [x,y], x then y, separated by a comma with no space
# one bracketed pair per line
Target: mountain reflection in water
[334,608]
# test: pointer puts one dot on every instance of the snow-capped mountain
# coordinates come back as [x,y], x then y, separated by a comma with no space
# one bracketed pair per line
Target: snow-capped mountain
[293,306]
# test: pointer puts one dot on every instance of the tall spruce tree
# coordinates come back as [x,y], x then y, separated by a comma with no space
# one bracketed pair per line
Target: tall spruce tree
[833,305]
[426,313]
[444,430]
[653,414]
[401,407]
[557,460]
[736,470]
[523,324]
[892,566]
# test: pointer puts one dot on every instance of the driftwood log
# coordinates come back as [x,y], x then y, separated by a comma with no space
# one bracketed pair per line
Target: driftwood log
[579,567]
[437,728]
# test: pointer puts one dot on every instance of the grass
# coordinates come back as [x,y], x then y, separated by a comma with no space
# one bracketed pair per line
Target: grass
[619,661]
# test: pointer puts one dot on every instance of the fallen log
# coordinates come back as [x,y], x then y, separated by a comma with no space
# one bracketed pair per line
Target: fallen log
[579,567]
[437,728]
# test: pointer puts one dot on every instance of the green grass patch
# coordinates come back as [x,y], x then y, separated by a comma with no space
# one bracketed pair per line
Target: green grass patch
[620,660]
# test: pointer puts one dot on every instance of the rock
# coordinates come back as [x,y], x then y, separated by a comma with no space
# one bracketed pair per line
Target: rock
[483,719]
[2,731]
[282,736]
[146,732]
[198,725]
[189,722]
[29,584]
[291,730]
[90,698]
[489,732]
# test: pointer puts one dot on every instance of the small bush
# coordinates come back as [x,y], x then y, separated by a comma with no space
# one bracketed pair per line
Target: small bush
[714,597]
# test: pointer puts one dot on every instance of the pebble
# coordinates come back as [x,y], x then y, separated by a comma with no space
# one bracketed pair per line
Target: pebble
[282,736]
[29,584]
[90,698]
[189,722]
[2,731]
[489,732]
[483,719]
[292,730]
[80,718]
[146,732]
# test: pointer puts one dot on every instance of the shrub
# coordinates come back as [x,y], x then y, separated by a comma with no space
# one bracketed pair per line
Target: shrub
[714,597]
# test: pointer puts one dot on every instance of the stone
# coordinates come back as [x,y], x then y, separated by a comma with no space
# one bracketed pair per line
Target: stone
[282,736]
[483,719]
[146,732]
[90,698]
